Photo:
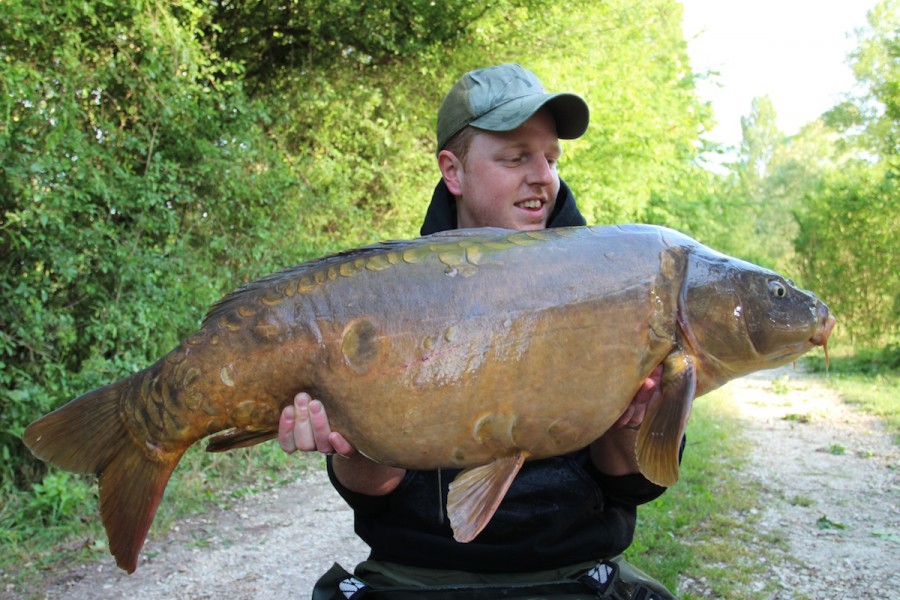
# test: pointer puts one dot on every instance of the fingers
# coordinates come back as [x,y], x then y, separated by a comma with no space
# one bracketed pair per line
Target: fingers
[637,412]
[311,427]
[340,444]
[649,384]
[625,419]
[304,426]
[286,430]
[318,426]
[647,394]
[649,387]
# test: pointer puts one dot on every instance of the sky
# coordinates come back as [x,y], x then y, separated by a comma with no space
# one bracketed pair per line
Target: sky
[794,51]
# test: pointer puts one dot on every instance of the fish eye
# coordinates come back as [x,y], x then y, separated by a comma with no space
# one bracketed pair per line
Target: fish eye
[777,288]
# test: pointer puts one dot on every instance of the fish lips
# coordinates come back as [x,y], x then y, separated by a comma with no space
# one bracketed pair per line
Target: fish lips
[826,325]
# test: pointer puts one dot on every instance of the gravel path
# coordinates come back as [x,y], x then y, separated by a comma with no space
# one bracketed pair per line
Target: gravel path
[270,545]
[831,491]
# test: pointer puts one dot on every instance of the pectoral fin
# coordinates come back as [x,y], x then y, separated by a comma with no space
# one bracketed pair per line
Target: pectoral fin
[476,493]
[659,438]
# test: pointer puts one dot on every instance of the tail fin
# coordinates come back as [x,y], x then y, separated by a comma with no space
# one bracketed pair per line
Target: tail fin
[87,435]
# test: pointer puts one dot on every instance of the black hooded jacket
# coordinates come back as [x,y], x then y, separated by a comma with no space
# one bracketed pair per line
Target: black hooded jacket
[558,511]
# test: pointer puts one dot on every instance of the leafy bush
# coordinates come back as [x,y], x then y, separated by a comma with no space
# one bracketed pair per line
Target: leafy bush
[845,229]
[134,177]
[58,496]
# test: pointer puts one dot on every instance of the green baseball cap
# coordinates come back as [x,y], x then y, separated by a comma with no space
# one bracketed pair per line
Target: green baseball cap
[503,97]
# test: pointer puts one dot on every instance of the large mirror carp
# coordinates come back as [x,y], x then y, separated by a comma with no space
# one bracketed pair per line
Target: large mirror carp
[475,349]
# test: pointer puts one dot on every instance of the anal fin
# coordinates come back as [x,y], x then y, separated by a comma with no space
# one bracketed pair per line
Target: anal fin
[476,493]
[659,438]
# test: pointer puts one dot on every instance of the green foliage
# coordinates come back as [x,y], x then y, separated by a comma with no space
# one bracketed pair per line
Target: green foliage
[638,158]
[820,206]
[849,221]
[758,210]
[836,449]
[825,523]
[876,63]
[846,227]
[863,361]
[276,39]
[759,144]
[129,166]
[703,528]
[749,210]
[58,496]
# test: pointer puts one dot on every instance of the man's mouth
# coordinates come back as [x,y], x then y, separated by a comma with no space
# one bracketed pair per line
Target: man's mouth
[531,204]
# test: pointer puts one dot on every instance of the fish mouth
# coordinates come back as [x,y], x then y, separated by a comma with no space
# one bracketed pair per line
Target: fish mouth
[820,337]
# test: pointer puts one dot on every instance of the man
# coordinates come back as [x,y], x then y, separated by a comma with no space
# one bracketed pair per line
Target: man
[498,147]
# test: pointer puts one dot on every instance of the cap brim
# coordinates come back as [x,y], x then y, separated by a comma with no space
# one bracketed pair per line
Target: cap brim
[569,110]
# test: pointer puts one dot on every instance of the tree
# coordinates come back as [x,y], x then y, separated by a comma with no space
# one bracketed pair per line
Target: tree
[630,62]
[759,143]
[850,223]
[130,162]
[848,230]
[743,211]
[156,155]
[876,64]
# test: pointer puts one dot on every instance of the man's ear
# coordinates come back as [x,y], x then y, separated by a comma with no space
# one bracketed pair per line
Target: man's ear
[452,171]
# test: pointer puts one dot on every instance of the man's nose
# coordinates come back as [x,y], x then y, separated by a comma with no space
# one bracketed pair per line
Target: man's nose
[541,172]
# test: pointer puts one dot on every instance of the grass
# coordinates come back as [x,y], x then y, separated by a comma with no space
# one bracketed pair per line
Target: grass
[868,380]
[702,528]
[878,395]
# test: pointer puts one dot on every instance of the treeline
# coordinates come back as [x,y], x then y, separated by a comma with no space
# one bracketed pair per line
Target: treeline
[823,205]
[155,155]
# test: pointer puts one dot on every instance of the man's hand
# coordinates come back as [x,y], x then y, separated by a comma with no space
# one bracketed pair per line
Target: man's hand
[637,410]
[613,453]
[304,426]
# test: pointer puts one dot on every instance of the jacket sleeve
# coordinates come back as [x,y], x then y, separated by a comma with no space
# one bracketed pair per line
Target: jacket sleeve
[634,489]
[362,504]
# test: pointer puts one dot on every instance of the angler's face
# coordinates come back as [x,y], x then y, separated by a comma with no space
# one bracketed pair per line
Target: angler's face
[509,178]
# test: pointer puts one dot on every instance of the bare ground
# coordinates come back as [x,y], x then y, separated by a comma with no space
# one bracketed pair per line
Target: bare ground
[829,525]
[830,477]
